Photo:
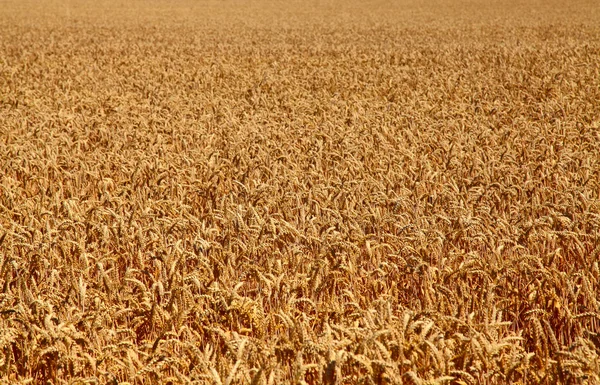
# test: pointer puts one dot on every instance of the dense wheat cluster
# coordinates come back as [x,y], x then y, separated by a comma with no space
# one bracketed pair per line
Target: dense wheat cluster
[321,192]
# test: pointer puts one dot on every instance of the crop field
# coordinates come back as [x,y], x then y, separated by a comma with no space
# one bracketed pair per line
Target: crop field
[299,192]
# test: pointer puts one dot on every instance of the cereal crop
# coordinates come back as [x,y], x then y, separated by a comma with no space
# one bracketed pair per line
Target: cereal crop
[299,192]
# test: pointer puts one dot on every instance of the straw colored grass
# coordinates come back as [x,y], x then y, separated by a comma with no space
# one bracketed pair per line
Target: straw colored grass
[324,192]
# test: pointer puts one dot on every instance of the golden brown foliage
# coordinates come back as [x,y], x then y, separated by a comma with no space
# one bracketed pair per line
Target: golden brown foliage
[262,192]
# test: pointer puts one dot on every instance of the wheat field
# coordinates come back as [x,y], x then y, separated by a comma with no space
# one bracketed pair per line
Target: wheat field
[299,192]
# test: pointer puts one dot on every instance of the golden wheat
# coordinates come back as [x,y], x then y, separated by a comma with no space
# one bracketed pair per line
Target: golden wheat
[269,192]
